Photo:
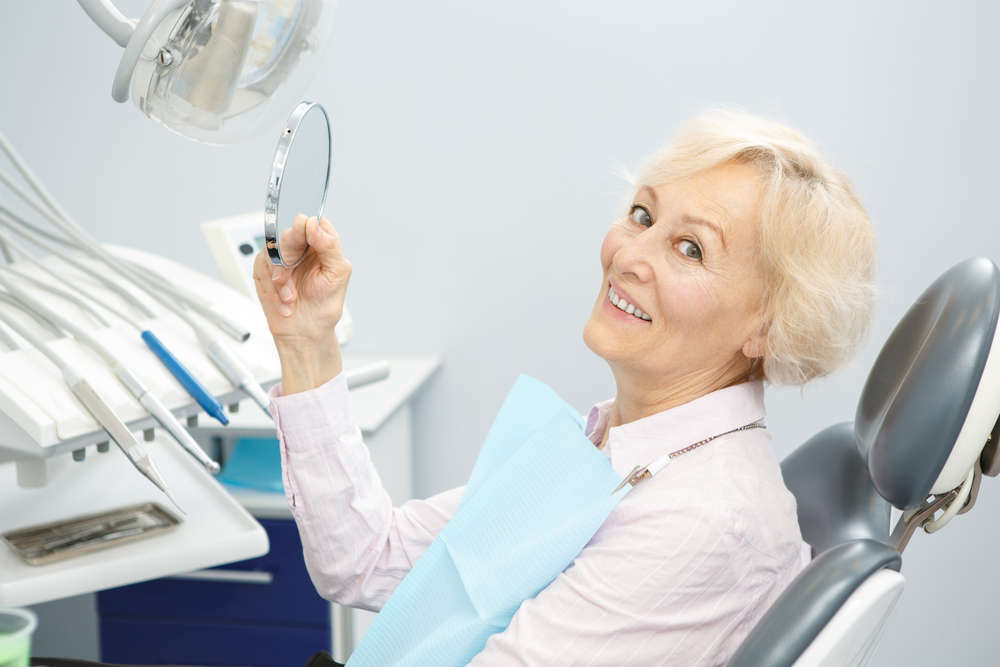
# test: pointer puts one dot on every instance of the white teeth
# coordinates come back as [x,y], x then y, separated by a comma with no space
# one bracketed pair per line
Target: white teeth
[627,307]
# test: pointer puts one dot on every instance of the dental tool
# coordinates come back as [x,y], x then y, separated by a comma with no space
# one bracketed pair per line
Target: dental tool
[231,367]
[135,386]
[186,379]
[234,369]
[96,406]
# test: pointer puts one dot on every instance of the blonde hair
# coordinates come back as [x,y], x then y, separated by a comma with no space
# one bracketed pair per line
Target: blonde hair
[817,245]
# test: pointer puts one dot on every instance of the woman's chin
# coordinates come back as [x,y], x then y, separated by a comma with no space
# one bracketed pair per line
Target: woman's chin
[589,337]
[600,340]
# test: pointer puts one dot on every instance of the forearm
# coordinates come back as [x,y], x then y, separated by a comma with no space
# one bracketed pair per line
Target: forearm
[357,546]
[306,366]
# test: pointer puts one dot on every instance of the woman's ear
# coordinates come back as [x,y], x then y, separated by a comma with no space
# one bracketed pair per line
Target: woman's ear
[756,343]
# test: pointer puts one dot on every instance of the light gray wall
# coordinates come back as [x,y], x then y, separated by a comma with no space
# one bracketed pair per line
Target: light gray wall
[475,152]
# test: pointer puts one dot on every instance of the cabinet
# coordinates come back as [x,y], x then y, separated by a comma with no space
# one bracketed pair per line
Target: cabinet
[262,612]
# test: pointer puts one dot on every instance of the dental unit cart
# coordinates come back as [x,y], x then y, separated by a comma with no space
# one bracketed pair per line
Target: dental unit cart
[55,463]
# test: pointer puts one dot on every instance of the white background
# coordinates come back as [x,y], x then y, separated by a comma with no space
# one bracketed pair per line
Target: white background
[477,146]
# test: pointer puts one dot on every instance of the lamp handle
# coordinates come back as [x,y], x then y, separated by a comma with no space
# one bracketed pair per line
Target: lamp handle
[109,19]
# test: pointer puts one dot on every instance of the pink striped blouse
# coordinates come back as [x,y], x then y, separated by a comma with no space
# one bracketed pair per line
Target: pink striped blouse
[678,574]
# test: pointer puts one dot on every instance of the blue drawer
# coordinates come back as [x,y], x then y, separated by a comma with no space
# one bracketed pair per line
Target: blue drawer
[289,599]
[128,641]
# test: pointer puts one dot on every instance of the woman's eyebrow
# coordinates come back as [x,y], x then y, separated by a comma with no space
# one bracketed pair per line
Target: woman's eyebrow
[652,194]
[690,219]
[714,227]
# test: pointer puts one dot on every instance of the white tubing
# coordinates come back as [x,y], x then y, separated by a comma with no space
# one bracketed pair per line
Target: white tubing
[109,19]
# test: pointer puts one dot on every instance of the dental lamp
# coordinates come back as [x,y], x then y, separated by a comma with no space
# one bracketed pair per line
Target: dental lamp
[216,71]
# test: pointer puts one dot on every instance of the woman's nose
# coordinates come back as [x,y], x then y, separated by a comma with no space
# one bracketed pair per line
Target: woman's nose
[634,258]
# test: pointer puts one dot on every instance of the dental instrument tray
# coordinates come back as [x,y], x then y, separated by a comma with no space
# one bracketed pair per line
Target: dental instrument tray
[38,545]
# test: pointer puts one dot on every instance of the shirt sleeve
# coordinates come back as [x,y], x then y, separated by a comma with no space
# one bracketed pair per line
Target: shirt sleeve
[357,547]
[672,588]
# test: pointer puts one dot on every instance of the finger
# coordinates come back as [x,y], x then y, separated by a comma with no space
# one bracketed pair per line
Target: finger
[267,290]
[281,280]
[291,243]
[293,240]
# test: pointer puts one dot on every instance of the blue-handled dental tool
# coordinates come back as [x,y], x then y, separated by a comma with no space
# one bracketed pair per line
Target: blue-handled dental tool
[183,375]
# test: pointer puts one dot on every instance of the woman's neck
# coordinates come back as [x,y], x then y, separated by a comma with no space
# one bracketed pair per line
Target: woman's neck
[637,399]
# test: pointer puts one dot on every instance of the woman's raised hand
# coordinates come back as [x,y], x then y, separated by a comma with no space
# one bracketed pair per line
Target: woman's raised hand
[304,303]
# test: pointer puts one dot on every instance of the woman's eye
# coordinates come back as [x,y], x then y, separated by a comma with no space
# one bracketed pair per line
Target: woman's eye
[640,215]
[690,249]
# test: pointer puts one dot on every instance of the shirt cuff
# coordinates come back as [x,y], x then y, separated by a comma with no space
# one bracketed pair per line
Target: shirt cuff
[309,418]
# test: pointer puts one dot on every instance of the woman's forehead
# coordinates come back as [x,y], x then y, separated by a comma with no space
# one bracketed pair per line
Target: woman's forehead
[727,194]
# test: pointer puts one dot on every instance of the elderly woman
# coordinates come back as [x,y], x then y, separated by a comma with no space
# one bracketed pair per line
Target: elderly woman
[741,258]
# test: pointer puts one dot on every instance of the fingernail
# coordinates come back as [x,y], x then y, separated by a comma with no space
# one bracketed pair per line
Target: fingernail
[284,309]
[275,273]
[285,293]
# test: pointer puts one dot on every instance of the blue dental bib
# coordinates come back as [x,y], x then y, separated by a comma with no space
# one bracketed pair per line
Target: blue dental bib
[538,492]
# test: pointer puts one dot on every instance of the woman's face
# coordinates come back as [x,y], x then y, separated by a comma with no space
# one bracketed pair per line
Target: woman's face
[686,256]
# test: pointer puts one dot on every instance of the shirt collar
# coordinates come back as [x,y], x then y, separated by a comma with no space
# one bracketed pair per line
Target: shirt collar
[643,440]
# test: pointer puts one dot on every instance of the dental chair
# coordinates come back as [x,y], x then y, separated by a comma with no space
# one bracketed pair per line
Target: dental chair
[925,432]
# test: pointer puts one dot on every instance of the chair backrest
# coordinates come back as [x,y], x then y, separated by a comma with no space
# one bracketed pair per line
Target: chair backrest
[835,497]
[922,426]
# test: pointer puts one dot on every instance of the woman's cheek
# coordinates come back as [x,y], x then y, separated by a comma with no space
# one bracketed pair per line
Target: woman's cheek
[618,234]
[609,247]
[693,302]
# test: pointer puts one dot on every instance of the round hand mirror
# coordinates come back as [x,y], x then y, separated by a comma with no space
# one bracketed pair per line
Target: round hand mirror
[300,176]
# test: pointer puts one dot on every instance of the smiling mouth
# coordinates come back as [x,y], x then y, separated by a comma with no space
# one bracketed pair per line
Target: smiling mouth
[621,304]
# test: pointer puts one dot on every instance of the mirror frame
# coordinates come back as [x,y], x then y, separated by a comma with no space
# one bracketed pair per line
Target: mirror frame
[274,183]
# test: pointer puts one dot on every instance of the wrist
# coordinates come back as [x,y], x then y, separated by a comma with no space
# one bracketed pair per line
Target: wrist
[306,365]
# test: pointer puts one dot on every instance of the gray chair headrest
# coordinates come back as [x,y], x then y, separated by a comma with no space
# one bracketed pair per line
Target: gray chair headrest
[933,396]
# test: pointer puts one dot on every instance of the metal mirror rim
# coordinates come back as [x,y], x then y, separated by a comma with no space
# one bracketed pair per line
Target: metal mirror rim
[274,183]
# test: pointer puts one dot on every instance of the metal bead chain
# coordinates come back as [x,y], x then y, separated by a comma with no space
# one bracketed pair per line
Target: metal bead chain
[687,449]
